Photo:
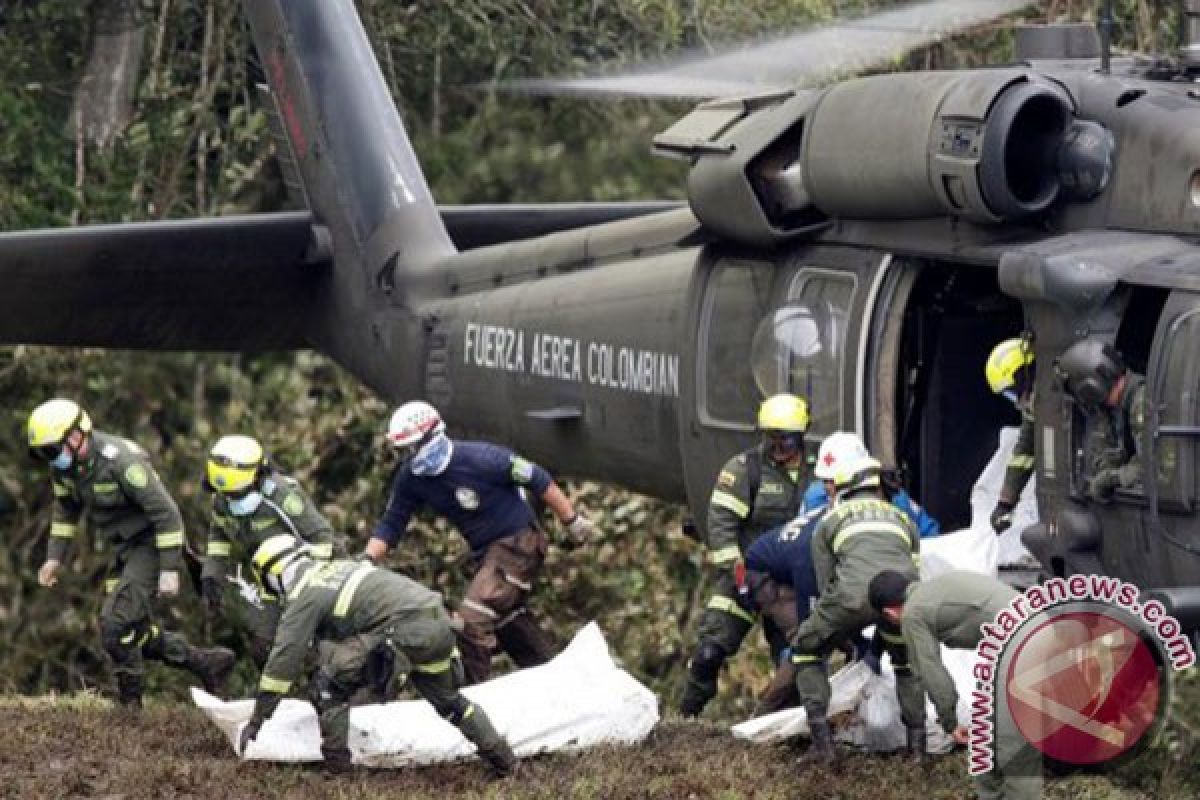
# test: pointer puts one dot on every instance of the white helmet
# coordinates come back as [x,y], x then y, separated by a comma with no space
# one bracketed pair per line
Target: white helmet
[858,473]
[413,424]
[838,449]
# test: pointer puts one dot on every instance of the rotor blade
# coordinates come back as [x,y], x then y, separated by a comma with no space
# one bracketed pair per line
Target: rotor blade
[482,225]
[806,58]
[226,283]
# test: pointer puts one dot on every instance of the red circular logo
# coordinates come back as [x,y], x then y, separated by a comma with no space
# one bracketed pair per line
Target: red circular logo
[1084,687]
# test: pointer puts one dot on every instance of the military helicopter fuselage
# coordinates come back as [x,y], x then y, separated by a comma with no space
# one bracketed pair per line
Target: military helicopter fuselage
[864,245]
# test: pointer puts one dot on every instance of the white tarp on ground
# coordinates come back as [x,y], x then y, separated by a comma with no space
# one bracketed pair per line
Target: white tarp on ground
[875,723]
[579,699]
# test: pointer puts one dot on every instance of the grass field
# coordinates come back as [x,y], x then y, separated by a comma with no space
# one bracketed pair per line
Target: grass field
[79,746]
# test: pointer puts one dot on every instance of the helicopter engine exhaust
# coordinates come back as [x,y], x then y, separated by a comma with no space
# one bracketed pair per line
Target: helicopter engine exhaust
[986,146]
[977,145]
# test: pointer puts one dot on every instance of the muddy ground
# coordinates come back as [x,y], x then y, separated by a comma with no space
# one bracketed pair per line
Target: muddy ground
[81,747]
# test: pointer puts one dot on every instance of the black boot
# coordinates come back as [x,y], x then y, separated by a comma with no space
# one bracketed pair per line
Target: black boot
[129,691]
[917,743]
[212,665]
[695,697]
[821,750]
[501,761]
[491,746]
[336,760]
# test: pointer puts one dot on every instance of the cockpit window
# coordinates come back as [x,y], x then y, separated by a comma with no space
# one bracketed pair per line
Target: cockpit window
[738,297]
[800,347]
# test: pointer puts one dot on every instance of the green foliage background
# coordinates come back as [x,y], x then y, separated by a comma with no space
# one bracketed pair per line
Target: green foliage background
[197,145]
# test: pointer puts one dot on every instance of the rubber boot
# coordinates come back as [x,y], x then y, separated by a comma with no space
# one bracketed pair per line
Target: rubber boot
[212,665]
[336,760]
[492,747]
[821,750]
[695,697]
[917,743]
[129,691]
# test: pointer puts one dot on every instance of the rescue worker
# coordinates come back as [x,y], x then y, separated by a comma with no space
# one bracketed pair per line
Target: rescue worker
[779,583]
[817,496]
[475,485]
[756,490]
[780,580]
[859,536]
[1114,400]
[374,626]
[110,481]
[252,501]
[949,610]
[1009,372]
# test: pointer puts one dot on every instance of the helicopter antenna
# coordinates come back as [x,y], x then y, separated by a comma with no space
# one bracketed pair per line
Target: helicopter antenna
[1105,25]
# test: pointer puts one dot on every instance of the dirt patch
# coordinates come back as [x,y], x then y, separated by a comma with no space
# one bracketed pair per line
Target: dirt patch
[68,749]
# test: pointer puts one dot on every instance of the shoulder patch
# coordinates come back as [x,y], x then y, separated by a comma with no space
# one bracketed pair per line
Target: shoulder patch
[293,504]
[522,470]
[726,479]
[110,451]
[137,476]
[740,458]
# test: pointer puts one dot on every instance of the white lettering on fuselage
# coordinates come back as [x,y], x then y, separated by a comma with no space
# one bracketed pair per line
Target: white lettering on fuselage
[494,347]
[566,358]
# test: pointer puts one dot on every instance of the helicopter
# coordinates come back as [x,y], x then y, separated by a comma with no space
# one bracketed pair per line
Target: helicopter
[862,243]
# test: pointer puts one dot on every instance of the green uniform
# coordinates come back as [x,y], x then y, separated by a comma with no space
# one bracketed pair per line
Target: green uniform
[738,512]
[1021,461]
[950,609]
[364,617]
[128,507]
[861,536]
[1114,445]
[285,509]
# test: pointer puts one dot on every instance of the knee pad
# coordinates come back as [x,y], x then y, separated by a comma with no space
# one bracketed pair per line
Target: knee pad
[707,662]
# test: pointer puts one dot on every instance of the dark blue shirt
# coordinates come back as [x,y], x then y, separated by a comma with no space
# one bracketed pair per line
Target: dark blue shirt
[816,497]
[478,492]
[785,553]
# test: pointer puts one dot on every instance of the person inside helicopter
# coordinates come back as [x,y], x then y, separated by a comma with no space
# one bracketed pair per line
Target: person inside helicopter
[1113,398]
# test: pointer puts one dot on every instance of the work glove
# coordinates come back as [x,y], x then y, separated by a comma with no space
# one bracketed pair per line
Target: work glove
[48,574]
[213,591]
[580,528]
[1002,516]
[168,583]
[249,734]
[1101,486]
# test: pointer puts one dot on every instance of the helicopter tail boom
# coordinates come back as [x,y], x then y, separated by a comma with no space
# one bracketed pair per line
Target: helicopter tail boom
[361,176]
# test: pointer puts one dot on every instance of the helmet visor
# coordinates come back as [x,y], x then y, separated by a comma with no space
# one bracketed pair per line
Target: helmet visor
[229,477]
[48,452]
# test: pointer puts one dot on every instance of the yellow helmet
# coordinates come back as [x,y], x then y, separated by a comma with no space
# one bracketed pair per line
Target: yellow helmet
[52,422]
[273,557]
[783,412]
[1007,360]
[234,464]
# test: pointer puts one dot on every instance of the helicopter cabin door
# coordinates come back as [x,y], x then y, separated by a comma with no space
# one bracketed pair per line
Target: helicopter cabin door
[770,326]
[1165,548]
